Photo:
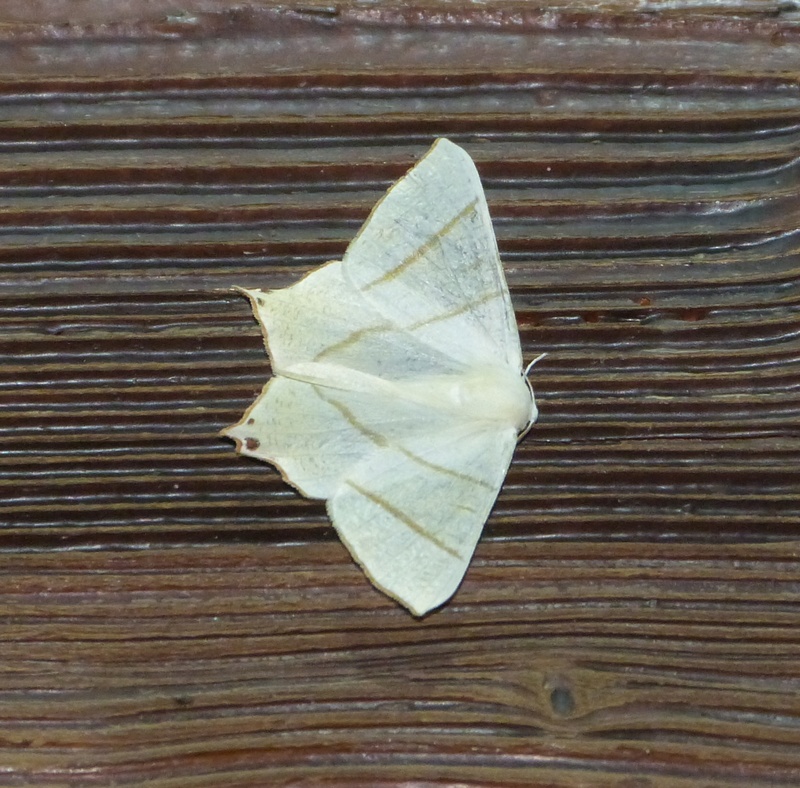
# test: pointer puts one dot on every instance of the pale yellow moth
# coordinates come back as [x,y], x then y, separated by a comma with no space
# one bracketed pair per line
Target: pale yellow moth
[398,392]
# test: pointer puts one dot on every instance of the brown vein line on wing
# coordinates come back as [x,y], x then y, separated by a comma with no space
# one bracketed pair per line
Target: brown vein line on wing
[456,311]
[355,337]
[383,442]
[403,518]
[352,339]
[349,417]
[444,469]
[422,250]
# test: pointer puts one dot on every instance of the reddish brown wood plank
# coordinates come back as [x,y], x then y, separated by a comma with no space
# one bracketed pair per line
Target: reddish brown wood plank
[174,614]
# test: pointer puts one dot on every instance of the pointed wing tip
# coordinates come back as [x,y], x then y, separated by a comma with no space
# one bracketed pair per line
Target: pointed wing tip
[235,432]
[442,145]
[446,144]
[227,432]
[420,605]
[421,611]
[424,607]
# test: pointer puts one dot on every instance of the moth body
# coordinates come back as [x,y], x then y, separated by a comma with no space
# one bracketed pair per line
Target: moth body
[494,395]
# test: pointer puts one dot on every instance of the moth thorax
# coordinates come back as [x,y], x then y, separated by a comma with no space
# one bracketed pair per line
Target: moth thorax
[495,394]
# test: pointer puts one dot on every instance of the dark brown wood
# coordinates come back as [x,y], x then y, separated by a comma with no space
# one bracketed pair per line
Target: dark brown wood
[175,615]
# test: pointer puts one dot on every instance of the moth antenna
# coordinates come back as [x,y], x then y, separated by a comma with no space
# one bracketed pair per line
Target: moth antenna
[538,358]
[530,388]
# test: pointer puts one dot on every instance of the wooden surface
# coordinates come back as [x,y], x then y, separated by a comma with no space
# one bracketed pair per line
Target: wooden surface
[175,615]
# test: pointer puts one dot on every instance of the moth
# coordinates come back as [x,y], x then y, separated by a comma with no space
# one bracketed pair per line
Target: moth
[398,393]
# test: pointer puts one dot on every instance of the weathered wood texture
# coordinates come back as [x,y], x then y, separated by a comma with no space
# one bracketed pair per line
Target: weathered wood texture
[175,615]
